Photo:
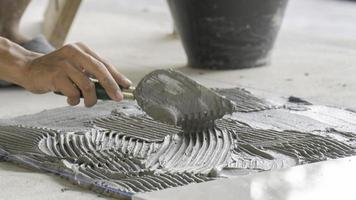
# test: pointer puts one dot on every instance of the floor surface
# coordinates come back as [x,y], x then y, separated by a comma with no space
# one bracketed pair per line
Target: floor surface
[314,181]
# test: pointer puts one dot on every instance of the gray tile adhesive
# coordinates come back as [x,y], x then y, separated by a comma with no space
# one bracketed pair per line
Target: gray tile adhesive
[117,150]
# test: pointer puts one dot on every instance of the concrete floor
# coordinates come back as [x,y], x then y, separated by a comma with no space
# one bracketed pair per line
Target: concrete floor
[309,182]
[314,58]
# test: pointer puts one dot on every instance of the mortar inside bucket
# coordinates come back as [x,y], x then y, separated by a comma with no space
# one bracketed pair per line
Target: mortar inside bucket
[227,34]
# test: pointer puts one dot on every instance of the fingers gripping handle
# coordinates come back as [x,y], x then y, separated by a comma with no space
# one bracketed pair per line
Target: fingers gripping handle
[101,93]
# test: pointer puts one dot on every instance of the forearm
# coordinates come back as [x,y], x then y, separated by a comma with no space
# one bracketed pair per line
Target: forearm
[13,59]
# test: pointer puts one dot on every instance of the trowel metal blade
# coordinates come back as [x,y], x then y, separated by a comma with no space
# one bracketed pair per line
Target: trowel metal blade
[170,97]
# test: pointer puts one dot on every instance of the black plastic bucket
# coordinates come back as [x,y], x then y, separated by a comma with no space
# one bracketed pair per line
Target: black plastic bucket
[227,34]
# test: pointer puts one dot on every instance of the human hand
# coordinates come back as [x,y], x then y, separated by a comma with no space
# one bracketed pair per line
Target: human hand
[68,69]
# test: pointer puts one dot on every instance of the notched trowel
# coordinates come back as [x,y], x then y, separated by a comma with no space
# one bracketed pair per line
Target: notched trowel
[170,97]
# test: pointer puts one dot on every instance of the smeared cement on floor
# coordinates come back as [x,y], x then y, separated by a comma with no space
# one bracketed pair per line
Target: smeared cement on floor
[116,149]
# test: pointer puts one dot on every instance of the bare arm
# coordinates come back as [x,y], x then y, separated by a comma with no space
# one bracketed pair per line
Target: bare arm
[66,70]
[13,60]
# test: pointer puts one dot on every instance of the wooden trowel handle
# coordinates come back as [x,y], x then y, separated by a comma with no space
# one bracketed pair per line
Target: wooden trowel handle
[101,93]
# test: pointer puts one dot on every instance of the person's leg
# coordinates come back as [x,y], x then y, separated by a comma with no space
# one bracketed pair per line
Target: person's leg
[11,12]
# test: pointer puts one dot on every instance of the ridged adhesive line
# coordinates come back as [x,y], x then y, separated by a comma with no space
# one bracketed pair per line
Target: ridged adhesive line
[244,100]
[140,127]
[193,152]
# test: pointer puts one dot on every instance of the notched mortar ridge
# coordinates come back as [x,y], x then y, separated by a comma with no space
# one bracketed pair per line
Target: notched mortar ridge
[86,155]
[245,101]
[140,127]
[304,147]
